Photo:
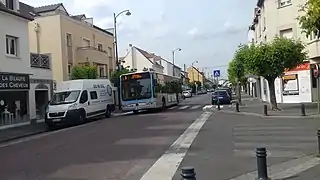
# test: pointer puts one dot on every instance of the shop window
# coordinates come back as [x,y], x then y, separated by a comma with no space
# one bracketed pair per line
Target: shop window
[13,107]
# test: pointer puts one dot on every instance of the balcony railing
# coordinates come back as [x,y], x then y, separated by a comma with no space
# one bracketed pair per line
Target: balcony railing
[40,60]
[92,55]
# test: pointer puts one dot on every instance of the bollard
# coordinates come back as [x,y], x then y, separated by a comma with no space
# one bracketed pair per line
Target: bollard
[261,154]
[303,110]
[318,136]
[265,110]
[218,104]
[187,173]
[237,107]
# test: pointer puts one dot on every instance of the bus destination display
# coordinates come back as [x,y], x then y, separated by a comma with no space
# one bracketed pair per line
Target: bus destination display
[136,76]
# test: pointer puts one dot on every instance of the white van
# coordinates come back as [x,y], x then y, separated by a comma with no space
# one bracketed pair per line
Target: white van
[77,100]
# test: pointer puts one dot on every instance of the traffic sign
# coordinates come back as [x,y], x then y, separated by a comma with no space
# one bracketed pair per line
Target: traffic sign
[216,73]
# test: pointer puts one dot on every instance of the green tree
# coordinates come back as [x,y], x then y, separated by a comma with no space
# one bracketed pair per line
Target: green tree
[115,77]
[207,86]
[236,72]
[310,21]
[270,60]
[84,72]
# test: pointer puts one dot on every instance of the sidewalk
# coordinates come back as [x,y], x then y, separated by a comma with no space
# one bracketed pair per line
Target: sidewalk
[310,174]
[254,106]
[21,131]
[225,148]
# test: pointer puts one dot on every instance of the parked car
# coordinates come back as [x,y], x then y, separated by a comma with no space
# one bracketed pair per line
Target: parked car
[221,95]
[186,94]
[202,92]
[228,90]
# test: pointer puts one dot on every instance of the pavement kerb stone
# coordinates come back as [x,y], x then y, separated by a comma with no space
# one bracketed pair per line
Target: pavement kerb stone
[269,116]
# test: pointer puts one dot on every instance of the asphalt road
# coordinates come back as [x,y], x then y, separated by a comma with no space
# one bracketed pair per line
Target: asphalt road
[122,147]
[225,147]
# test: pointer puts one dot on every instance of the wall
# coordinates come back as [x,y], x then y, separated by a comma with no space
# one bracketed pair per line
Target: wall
[80,30]
[192,73]
[49,42]
[137,61]
[32,102]
[18,27]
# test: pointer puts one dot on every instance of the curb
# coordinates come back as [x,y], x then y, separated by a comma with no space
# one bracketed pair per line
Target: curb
[22,136]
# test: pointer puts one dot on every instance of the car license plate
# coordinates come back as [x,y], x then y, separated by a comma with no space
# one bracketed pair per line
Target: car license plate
[56,120]
[220,97]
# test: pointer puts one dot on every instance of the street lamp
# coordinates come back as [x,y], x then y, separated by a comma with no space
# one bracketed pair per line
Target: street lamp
[128,13]
[173,51]
[115,16]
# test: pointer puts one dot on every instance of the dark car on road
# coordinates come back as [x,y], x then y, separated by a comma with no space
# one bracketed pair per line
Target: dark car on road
[228,90]
[221,95]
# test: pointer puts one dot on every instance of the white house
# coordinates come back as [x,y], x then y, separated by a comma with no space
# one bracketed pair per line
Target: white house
[138,59]
[169,68]
[17,86]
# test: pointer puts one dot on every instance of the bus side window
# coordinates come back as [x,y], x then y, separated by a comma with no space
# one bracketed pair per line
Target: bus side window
[155,83]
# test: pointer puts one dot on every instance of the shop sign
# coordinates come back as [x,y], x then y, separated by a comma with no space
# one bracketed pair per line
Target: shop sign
[14,81]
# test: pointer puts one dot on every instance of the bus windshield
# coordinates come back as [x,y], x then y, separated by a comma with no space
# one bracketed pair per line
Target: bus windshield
[136,86]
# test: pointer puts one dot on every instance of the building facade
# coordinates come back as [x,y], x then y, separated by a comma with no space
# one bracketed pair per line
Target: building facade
[17,70]
[195,75]
[138,60]
[71,40]
[279,18]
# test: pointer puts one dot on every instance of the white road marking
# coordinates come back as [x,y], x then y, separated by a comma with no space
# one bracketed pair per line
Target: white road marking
[271,153]
[220,107]
[286,169]
[166,166]
[174,107]
[207,107]
[195,107]
[183,107]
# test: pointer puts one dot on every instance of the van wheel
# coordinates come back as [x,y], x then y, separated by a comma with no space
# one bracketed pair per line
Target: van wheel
[108,112]
[81,118]
[51,127]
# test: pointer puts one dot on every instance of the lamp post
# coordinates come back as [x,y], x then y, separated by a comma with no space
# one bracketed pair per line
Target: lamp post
[173,52]
[115,16]
[118,64]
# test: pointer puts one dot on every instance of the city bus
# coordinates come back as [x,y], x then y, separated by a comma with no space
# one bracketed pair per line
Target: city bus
[148,90]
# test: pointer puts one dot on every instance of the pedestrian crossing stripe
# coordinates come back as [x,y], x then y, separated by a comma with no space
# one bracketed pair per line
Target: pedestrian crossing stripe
[195,107]
[281,140]
[183,107]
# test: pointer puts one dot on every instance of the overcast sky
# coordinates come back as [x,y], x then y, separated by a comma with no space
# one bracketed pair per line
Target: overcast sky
[207,31]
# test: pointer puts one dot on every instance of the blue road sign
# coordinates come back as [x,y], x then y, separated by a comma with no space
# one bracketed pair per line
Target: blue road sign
[216,73]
